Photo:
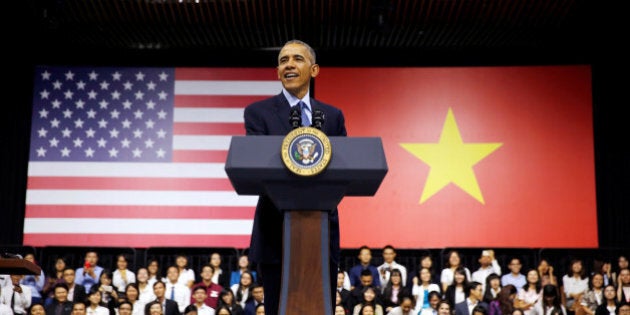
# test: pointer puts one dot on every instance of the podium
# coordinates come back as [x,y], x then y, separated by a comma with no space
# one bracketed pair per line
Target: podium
[255,167]
[18,266]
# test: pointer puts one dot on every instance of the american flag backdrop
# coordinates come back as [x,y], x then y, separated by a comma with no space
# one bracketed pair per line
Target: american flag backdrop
[135,156]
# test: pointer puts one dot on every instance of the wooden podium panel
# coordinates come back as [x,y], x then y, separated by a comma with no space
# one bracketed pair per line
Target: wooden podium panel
[16,266]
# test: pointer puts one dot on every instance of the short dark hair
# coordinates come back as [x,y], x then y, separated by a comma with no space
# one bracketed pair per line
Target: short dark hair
[366,272]
[471,286]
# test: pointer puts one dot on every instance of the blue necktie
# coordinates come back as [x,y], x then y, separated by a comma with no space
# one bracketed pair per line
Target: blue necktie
[173,293]
[305,120]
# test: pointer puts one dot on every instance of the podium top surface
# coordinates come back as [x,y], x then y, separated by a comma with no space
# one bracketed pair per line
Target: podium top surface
[16,266]
[357,163]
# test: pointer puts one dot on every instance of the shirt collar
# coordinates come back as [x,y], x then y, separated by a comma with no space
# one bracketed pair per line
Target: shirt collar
[294,100]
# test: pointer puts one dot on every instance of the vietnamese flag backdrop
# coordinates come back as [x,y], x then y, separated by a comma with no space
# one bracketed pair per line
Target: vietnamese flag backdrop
[477,156]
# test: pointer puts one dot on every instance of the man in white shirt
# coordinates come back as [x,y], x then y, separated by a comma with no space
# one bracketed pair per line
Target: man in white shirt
[488,264]
[384,270]
[199,294]
[175,290]
[17,296]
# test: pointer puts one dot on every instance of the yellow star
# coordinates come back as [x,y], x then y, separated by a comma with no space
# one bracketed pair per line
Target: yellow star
[451,160]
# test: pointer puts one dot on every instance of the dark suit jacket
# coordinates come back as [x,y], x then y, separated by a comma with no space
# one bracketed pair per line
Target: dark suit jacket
[66,308]
[250,307]
[462,308]
[79,294]
[171,308]
[271,117]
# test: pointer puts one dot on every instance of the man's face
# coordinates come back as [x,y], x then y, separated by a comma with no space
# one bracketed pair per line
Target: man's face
[365,255]
[625,277]
[477,292]
[258,294]
[340,279]
[206,273]
[200,296]
[389,255]
[366,280]
[515,266]
[78,309]
[172,274]
[92,258]
[68,276]
[158,290]
[295,69]
[61,294]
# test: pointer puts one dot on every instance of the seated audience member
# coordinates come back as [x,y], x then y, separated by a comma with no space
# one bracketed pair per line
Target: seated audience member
[422,290]
[474,292]
[170,306]
[76,292]
[241,289]
[406,306]
[622,263]
[223,310]
[122,276]
[493,287]
[447,276]
[35,282]
[504,302]
[212,289]
[258,297]
[228,300]
[109,293]
[593,296]
[89,274]
[365,263]
[342,291]
[60,304]
[260,309]
[366,280]
[132,295]
[609,305]
[369,297]
[394,290]
[220,276]
[545,271]
[456,291]
[515,277]
[425,262]
[445,308]
[53,277]
[340,310]
[145,288]
[16,295]
[186,275]
[155,308]
[243,266]
[79,308]
[95,303]
[432,307]
[125,308]
[574,284]
[487,265]
[389,264]
[155,273]
[175,290]
[530,294]
[551,302]
[623,293]
[35,309]
[199,296]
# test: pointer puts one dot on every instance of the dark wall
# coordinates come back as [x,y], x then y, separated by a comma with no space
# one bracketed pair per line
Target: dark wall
[610,85]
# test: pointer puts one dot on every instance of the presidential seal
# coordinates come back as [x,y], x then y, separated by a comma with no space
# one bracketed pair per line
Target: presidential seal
[306,151]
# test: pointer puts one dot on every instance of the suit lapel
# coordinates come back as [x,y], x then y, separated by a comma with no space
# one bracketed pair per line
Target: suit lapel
[282,111]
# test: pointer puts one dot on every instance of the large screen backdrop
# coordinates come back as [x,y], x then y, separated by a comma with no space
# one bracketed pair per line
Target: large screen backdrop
[488,156]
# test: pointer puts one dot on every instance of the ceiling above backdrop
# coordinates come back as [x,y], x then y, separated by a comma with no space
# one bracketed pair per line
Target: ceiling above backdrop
[345,32]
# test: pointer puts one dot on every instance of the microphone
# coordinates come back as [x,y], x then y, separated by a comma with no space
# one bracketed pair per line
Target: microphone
[318,118]
[295,117]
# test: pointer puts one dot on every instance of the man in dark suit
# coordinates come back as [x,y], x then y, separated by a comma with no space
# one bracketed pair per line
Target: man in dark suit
[60,304]
[76,292]
[474,291]
[296,67]
[257,297]
[170,307]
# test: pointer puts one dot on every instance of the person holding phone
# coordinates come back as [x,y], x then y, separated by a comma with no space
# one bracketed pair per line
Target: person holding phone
[89,274]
